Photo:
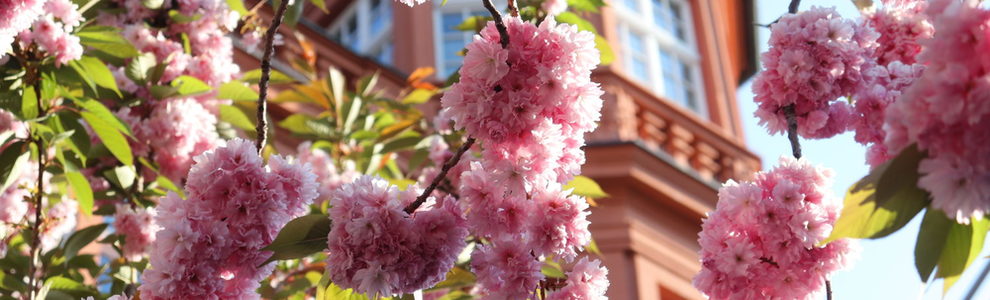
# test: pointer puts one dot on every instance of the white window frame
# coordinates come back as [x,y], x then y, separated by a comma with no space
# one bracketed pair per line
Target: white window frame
[641,20]
[369,41]
[467,8]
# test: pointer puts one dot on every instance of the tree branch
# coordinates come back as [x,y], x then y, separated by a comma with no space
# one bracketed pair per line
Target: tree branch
[449,164]
[499,24]
[33,270]
[266,69]
[793,7]
[792,130]
[828,290]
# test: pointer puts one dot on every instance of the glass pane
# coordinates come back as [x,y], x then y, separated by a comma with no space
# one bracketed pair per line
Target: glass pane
[636,44]
[677,21]
[632,4]
[449,21]
[639,69]
[451,47]
[381,13]
[669,64]
[660,16]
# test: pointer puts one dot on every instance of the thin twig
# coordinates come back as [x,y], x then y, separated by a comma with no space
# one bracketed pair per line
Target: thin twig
[266,69]
[499,24]
[513,8]
[793,7]
[449,164]
[33,281]
[792,130]
[828,290]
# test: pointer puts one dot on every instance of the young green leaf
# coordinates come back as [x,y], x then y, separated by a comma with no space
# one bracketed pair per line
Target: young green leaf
[418,96]
[883,201]
[106,39]
[84,194]
[322,4]
[300,238]
[238,6]
[572,18]
[237,91]
[235,116]
[188,85]
[95,70]
[587,187]
[138,69]
[104,113]
[276,77]
[931,241]
[605,51]
[962,246]
[13,160]
[82,238]
[111,137]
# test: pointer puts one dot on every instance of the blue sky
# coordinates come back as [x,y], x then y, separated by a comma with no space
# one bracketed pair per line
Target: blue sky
[885,269]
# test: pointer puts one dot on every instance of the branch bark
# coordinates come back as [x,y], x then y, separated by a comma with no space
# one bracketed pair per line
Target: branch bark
[449,164]
[33,270]
[792,130]
[266,69]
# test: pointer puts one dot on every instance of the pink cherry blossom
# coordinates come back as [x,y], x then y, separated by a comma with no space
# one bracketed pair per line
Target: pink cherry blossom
[506,269]
[762,239]
[376,248]
[554,7]
[16,16]
[326,172]
[947,110]
[137,228]
[209,245]
[815,57]
[902,25]
[586,280]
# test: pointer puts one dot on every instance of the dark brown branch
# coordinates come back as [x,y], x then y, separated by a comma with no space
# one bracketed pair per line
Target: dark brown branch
[266,69]
[499,24]
[792,130]
[793,7]
[513,8]
[828,290]
[449,164]
[33,281]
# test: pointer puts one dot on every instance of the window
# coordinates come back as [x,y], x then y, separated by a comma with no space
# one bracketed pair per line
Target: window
[659,50]
[450,41]
[365,27]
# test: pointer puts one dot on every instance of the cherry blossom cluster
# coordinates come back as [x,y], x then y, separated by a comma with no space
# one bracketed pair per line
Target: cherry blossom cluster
[326,171]
[530,104]
[376,248]
[815,57]
[137,229]
[902,26]
[761,242]
[211,56]
[16,16]
[870,105]
[209,245]
[586,280]
[946,112]
[52,30]
[174,131]
[531,116]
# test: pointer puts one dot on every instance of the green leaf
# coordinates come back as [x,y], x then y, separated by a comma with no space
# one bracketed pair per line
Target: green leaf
[111,137]
[235,116]
[237,91]
[188,85]
[84,194]
[104,113]
[292,13]
[106,39]
[169,185]
[402,183]
[72,287]
[13,160]
[322,4]
[298,124]
[275,77]
[334,292]
[82,238]
[402,143]
[152,4]
[300,238]
[587,187]
[962,246]
[552,270]
[354,110]
[418,96]
[883,201]
[138,69]
[29,104]
[457,277]
[605,51]
[931,240]
[181,18]
[585,5]
[96,71]
[473,23]
[238,6]
[572,18]
[121,176]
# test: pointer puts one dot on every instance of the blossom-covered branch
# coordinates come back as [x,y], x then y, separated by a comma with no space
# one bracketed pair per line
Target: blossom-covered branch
[266,69]
[449,164]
